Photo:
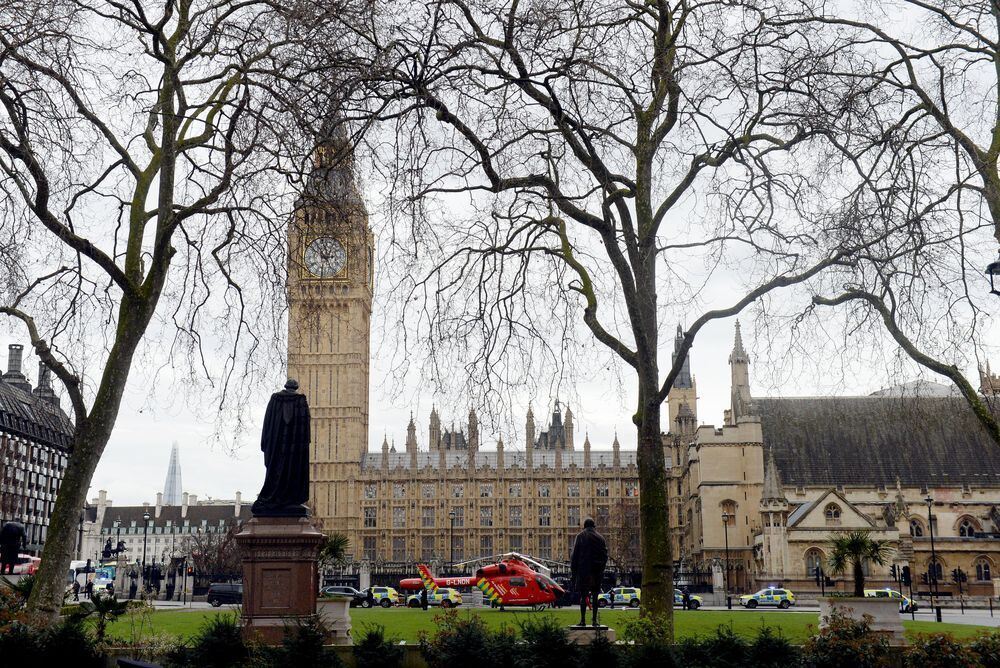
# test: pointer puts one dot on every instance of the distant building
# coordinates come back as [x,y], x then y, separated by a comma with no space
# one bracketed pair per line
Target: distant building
[790,472]
[172,486]
[169,530]
[35,437]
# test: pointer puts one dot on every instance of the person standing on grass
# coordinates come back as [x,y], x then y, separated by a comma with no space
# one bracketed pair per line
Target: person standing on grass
[423,598]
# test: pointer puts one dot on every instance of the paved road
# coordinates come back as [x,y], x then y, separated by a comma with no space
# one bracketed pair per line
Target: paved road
[977,616]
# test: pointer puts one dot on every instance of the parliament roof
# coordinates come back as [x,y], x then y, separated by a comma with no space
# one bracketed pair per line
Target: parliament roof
[873,440]
[33,418]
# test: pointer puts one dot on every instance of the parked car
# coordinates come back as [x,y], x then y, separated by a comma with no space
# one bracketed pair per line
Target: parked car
[224,592]
[624,596]
[905,604]
[357,597]
[783,598]
[386,596]
[26,564]
[694,602]
[446,598]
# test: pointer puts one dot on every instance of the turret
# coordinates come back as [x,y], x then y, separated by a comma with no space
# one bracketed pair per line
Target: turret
[739,363]
[385,452]
[411,435]
[616,452]
[568,425]
[529,438]
[500,458]
[473,433]
[44,390]
[586,451]
[434,433]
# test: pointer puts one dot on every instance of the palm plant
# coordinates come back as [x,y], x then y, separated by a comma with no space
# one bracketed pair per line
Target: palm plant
[852,549]
[333,549]
[104,608]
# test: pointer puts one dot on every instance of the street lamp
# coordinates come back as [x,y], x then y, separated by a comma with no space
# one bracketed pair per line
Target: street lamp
[993,271]
[725,529]
[929,500]
[451,541]
[145,532]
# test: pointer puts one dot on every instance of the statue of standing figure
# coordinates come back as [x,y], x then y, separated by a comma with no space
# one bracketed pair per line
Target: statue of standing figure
[590,556]
[285,443]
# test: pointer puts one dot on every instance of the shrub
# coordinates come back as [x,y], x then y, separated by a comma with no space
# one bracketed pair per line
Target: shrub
[547,644]
[64,643]
[218,644]
[940,650]
[846,642]
[650,645]
[302,645]
[770,649]
[467,641]
[601,653]
[987,648]
[723,649]
[372,649]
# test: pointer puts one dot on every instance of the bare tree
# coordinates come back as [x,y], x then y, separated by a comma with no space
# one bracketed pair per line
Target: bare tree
[603,161]
[145,153]
[216,555]
[926,166]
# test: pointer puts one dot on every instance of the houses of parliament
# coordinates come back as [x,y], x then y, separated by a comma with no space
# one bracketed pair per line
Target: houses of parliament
[774,481]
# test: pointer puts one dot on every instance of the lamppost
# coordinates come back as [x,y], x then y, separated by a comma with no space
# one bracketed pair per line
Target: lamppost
[929,500]
[79,538]
[145,532]
[117,524]
[451,541]
[725,529]
[993,271]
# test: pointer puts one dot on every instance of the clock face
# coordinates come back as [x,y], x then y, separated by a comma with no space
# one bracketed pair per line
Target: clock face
[325,257]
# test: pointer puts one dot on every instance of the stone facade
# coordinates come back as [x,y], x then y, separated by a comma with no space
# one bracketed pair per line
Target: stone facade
[793,471]
[35,438]
[773,468]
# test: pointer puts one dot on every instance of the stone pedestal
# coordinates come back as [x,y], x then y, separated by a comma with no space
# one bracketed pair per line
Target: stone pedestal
[884,613]
[584,635]
[279,574]
[335,613]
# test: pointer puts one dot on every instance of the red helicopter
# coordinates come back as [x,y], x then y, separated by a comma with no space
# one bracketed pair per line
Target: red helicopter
[509,581]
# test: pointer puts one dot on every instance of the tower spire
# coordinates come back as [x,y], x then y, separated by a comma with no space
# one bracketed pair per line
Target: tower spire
[172,485]
[772,480]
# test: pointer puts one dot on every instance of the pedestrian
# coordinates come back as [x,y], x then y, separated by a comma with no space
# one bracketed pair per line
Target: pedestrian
[370,597]
[423,598]
[685,599]
[76,590]
[590,555]
[132,589]
[89,589]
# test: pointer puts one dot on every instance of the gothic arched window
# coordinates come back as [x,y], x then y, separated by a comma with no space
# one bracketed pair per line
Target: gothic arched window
[814,560]
[936,569]
[916,528]
[832,512]
[983,570]
[966,528]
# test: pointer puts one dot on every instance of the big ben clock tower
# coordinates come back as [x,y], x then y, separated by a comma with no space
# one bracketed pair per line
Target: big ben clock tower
[329,310]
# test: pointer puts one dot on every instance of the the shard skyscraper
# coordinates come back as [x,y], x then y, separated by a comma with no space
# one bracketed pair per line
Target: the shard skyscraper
[172,487]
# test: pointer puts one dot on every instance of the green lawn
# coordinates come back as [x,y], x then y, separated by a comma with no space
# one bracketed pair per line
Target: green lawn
[405,624]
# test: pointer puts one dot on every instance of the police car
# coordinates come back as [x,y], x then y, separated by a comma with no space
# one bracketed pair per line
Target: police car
[386,596]
[623,596]
[905,604]
[781,598]
[694,602]
[446,598]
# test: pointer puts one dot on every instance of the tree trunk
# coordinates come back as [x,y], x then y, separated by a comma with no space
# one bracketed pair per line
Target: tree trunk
[859,579]
[90,437]
[654,517]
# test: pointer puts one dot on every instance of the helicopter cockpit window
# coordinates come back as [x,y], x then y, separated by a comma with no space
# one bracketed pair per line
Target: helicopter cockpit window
[541,584]
[517,582]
